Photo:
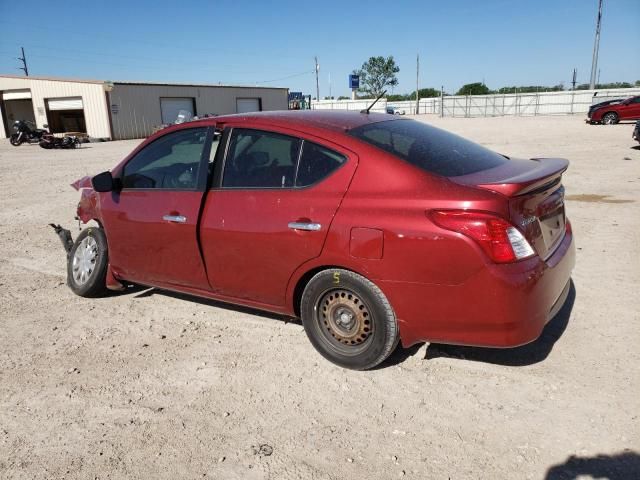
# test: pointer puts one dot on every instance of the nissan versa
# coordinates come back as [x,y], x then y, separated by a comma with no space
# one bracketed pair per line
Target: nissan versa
[372,229]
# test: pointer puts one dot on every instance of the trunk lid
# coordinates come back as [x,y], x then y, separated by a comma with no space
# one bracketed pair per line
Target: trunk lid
[535,195]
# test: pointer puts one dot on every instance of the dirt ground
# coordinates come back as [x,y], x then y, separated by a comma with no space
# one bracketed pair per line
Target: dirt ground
[153,385]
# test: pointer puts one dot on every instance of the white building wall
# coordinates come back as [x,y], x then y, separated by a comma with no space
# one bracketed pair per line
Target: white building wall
[92,93]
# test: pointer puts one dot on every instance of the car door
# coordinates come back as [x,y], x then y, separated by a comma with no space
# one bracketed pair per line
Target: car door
[631,111]
[151,222]
[270,211]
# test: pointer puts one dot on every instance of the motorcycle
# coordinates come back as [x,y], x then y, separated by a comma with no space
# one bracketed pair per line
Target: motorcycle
[48,141]
[25,131]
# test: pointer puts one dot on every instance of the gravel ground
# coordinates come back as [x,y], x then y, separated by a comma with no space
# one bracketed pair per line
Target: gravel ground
[154,385]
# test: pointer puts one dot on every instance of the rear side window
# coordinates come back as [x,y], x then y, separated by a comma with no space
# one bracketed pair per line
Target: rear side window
[316,163]
[259,159]
[429,148]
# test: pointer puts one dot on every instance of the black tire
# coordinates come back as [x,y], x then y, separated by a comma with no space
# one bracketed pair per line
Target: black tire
[367,333]
[94,242]
[610,118]
[14,140]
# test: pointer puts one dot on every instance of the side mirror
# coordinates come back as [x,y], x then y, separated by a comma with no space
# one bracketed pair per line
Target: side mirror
[103,182]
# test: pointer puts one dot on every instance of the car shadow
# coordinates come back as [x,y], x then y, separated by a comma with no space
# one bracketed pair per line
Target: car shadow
[621,466]
[145,292]
[635,147]
[529,354]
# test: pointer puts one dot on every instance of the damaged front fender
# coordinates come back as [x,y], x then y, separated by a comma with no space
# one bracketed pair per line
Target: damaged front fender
[88,205]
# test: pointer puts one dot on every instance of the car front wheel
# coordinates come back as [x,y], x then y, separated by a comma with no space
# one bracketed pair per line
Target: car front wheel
[348,319]
[609,118]
[87,264]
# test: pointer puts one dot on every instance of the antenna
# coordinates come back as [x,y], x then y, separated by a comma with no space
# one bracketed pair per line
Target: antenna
[366,110]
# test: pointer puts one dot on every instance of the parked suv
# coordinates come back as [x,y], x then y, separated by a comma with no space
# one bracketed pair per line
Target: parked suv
[612,113]
[373,229]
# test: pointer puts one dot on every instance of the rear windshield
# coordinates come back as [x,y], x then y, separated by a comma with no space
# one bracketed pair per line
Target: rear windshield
[429,148]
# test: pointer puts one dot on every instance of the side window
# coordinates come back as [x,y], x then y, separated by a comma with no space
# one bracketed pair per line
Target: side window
[316,163]
[172,162]
[259,159]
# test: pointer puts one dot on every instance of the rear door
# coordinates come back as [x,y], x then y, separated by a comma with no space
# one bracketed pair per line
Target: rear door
[151,223]
[270,210]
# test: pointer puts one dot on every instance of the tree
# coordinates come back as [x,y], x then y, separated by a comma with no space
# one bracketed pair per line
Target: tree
[376,74]
[342,97]
[477,88]
[424,93]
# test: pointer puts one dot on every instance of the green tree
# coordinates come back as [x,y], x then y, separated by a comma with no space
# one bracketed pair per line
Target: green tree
[376,74]
[477,88]
[342,97]
[424,93]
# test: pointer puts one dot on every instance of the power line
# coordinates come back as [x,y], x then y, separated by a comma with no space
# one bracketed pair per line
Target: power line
[285,78]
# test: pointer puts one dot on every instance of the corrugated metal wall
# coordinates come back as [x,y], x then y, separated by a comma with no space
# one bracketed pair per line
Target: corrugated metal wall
[93,99]
[135,108]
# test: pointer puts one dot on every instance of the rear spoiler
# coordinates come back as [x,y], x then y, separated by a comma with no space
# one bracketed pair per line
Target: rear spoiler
[517,176]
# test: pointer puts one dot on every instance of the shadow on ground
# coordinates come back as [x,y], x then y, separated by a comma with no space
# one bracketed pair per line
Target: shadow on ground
[144,292]
[621,466]
[529,354]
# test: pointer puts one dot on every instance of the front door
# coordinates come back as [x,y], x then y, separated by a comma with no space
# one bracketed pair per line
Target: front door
[270,211]
[151,223]
[631,111]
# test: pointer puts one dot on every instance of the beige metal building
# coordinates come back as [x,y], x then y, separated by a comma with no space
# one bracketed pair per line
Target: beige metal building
[121,110]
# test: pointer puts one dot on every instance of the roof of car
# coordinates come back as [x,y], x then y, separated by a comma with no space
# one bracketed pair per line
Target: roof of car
[337,120]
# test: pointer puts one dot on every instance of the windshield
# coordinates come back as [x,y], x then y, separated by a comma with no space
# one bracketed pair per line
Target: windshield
[429,148]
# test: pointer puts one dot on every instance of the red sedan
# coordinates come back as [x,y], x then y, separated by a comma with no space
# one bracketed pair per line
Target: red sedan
[372,229]
[610,113]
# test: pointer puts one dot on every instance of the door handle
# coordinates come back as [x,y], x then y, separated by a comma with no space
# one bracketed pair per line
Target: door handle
[312,227]
[175,218]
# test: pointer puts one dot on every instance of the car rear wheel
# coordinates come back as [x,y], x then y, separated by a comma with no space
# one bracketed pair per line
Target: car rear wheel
[610,118]
[348,319]
[87,264]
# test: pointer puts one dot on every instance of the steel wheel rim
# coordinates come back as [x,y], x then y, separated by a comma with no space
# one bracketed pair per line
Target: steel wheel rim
[84,260]
[345,321]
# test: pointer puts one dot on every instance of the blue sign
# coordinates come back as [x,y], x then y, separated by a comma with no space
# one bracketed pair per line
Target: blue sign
[354,81]
[295,96]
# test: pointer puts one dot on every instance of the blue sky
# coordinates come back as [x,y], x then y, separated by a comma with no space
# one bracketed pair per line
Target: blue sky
[504,42]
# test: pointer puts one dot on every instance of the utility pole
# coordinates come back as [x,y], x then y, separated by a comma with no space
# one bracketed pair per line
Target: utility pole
[317,81]
[330,86]
[23,59]
[573,82]
[596,47]
[417,83]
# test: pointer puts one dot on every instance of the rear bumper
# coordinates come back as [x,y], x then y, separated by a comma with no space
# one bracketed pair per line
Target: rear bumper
[500,306]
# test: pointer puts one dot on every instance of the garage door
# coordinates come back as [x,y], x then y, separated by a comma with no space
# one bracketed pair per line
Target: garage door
[66,103]
[16,95]
[244,105]
[171,106]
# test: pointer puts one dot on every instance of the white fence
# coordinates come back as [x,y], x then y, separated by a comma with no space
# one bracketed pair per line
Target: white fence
[520,104]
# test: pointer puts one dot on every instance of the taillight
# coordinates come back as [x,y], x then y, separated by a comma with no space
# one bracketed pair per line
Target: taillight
[500,240]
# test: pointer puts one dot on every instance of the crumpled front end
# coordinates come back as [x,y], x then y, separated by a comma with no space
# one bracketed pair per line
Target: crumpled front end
[88,204]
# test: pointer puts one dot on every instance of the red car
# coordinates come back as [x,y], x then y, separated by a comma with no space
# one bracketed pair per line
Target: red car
[612,113]
[372,229]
